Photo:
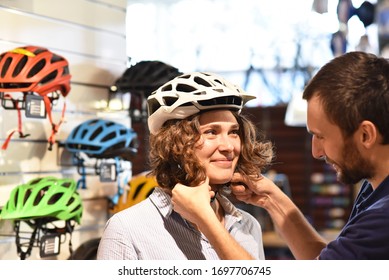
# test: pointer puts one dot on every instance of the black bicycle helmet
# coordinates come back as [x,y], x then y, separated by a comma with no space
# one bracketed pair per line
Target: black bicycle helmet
[144,77]
[140,80]
[100,138]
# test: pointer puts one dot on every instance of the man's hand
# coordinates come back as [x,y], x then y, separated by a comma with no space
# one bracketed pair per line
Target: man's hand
[254,191]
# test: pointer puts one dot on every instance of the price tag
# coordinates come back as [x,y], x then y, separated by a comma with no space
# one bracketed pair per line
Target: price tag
[50,245]
[107,172]
[35,107]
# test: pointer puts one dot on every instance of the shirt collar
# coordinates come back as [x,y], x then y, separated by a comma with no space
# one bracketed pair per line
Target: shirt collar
[228,207]
[162,201]
[368,196]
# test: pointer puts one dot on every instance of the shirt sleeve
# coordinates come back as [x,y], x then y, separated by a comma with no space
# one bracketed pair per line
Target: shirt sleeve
[364,237]
[248,234]
[115,244]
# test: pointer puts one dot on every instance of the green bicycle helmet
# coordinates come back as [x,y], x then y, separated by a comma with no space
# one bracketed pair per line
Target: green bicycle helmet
[46,197]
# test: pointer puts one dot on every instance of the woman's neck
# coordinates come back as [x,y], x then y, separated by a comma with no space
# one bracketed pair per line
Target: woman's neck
[218,209]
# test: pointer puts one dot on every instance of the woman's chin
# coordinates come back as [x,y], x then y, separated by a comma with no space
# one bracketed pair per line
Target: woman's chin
[219,183]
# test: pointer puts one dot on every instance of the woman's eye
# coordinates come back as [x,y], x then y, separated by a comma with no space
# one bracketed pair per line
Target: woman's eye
[209,131]
[235,131]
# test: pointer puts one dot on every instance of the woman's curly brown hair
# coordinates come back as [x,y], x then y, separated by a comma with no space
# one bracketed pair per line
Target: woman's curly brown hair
[173,159]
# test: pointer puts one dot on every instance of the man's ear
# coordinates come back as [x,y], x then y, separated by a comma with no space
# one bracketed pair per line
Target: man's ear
[368,134]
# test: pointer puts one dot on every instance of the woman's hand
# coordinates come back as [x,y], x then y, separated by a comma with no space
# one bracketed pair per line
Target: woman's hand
[193,203]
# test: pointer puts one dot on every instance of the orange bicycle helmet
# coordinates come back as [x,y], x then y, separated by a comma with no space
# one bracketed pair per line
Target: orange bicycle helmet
[33,69]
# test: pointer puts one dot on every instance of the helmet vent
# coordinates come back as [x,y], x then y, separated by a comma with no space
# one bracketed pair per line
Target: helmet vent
[167,88]
[96,133]
[138,189]
[16,197]
[66,184]
[6,66]
[218,81]
[75,131]
[109,124]
[39,197]
[93,122]
[19,66]
[70,201]
[37,68]
[39,50]
[35,181]
[153,105]
[56,58]
[65,71]
[108,137]
[27,195]
[169,101]
[202,82]
[54,198]
[224,100]
[150,191]
[76,209]
[185,88]
[49,77]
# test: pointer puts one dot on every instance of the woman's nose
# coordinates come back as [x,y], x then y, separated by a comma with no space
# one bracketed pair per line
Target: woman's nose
[226,144]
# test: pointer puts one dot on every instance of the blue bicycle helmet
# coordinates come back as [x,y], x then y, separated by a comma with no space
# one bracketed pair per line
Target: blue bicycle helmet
[101,138]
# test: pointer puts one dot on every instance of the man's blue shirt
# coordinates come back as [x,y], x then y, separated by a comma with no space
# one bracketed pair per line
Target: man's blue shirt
[366,234]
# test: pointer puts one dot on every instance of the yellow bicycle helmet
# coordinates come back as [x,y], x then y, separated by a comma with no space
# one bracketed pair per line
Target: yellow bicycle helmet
[139,188]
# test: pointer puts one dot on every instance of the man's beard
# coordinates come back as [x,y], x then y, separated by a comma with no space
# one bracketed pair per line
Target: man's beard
[354,167]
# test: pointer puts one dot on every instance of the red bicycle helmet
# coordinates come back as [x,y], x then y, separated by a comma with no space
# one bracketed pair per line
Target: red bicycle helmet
[33,69]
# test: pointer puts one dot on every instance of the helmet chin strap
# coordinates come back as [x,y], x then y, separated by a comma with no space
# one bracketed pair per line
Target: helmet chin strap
[214,197]
[223,189]
[54,127]
[19,129]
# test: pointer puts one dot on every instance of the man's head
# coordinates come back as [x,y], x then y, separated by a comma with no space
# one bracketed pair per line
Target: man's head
[348,103]
[352,88]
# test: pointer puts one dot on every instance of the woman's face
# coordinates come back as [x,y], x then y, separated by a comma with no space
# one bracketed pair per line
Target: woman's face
[219,146]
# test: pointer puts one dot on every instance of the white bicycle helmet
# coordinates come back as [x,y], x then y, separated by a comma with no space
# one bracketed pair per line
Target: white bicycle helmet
[191,93]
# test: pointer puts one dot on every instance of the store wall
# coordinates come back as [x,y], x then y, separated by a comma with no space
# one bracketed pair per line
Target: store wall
[91,36]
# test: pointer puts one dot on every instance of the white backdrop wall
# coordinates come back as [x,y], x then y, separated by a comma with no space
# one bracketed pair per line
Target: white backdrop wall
[91,35]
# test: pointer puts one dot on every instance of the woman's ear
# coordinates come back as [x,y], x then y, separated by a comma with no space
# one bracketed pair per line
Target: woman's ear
[368,134]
